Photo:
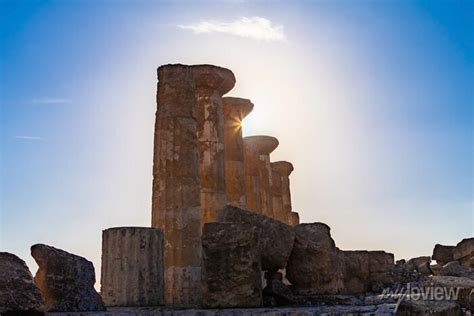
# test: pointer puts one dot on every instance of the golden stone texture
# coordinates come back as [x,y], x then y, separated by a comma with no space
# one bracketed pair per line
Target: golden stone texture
[235,110]
[259,173]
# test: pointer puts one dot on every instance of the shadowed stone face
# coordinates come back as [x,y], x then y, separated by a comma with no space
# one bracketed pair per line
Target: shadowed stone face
[258,172]
[18,293]
[66,281]
[132,266]
[235,109]
[231,266]
[281,191]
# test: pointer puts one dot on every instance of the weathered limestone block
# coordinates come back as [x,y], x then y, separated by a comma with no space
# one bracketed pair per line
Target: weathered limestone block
[356,271]
[235,110]
[18,293]
[315,266]
[381,264]
[443,254]
[176,183]
[211,83]
[295,218]
[258,164]
[66,281]
[275,238]
[419,260]
[284,168]
[464,252]
[132,266]
[455,269]
[231,266]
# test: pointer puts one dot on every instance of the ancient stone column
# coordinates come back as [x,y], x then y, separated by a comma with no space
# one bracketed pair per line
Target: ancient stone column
[211,83]
[284,168]
[277,199]
[235,109]
[176,184]
[295,218]
[258,149]
[132,266]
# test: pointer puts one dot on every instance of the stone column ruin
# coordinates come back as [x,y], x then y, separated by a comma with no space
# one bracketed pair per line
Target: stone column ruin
[235,110]
[132,266]
[260,148]
[188,169]
[284,169]
[211,83]
[176,184]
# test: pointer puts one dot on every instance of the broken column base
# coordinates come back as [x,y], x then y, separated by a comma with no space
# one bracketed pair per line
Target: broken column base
[132,266]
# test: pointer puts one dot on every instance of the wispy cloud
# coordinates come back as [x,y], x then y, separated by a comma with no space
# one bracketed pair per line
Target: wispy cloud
[255,27]
[50,101]
[23,137]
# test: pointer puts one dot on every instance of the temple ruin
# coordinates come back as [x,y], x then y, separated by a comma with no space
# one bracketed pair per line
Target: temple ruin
[202,163]
[223,231]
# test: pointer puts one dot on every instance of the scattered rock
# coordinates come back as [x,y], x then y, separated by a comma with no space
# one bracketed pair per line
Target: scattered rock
[443,254]
[424,269]
[464,252]
[433,308]
[18,292]
[454,268]
[315,266]
[66,281]
[231,267]
[275,238]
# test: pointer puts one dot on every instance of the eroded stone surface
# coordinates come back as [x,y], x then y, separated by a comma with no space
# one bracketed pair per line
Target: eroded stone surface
[18,293]
[443,254]
[464,252]
[381,264]
[257,160]
[235,109]
[231,266]
[275,238]
[281,171]
[211,82]
[132,266]
[356,271]
[66,281]
[314,266]
[454,268]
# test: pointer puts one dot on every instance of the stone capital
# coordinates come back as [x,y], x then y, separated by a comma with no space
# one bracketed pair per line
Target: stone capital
[264,144]
[237,108]
[214,78]
[284,168]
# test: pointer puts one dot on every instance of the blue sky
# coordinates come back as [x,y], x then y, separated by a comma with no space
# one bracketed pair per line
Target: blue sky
[371,100]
